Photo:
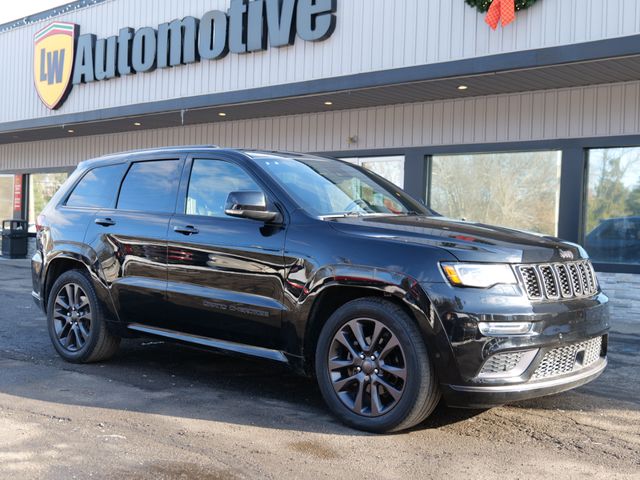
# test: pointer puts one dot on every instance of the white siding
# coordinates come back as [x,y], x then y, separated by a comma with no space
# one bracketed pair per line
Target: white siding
[371,35]
[606,110]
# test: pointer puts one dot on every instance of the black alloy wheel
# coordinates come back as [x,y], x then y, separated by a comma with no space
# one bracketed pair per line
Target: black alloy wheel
[76,320]
[373,369]
[367,367]
[72,317]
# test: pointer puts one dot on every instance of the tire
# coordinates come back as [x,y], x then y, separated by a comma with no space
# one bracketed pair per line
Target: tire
[80,335]
[399,366]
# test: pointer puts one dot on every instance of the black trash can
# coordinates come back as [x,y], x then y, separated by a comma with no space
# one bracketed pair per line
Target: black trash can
[15,238]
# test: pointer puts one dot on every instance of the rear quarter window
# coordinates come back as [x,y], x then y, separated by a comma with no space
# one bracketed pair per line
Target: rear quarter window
[98,187]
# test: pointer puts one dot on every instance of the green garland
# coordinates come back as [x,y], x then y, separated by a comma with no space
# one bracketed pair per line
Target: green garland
[483,5]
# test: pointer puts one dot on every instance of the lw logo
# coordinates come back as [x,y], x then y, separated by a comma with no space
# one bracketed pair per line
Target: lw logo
[53,62]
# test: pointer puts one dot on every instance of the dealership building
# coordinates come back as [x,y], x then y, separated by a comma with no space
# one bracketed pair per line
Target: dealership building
[535,125]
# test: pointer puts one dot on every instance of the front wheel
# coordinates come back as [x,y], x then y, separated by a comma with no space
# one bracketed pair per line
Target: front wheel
[373,368]
[76,322]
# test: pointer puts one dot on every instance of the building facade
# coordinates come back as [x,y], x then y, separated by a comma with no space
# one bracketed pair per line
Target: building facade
[533,126]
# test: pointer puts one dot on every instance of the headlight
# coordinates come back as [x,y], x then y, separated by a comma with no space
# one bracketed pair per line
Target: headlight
[478,275]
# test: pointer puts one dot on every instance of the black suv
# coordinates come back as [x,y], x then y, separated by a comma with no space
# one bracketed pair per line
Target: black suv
[321,265]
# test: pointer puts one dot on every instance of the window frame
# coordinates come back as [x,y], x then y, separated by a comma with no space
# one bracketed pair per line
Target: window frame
[429,189]
[608,267]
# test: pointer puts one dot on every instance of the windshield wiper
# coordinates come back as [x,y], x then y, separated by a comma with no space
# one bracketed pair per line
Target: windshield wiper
[343,215]
[356,215]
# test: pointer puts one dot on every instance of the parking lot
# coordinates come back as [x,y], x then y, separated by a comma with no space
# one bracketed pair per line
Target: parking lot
[163,411]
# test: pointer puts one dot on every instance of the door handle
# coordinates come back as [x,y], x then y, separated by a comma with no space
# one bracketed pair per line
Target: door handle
[105,222]
[188,230]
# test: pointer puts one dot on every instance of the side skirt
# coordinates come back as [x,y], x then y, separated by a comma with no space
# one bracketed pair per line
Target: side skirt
[224,345]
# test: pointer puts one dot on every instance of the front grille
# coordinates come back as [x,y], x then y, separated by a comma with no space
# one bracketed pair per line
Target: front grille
[549,281]
[569,358]
[531,282]
[558,280]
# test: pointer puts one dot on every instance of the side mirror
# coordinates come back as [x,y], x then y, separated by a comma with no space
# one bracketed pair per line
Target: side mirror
[251,205]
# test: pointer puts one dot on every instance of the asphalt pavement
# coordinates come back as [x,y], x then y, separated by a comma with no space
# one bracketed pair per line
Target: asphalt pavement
[165,411]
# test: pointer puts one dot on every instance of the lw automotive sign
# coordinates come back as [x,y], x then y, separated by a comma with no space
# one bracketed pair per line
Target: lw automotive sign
[63,59]
[53,61]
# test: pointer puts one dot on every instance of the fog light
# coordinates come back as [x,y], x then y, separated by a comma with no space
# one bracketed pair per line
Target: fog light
[499,329]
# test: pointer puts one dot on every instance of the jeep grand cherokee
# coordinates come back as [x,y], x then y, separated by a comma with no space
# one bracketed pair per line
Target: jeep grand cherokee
[321,265]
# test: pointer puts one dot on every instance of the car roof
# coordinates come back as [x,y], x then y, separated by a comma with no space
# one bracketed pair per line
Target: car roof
[187,149]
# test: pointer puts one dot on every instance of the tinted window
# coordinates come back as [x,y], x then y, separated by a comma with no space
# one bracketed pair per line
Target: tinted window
[150,186]
[98,188]
[210,184]
[328,187]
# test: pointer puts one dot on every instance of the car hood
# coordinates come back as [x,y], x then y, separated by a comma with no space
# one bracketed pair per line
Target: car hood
[467,241]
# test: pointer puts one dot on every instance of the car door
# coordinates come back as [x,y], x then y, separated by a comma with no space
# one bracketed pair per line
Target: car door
[130,240]
[225,274]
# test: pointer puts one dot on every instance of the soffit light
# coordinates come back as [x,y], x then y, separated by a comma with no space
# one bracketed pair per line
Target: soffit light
[463,87]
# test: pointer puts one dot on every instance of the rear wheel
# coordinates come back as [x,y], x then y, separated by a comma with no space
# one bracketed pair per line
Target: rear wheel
[77,326]
[373,369]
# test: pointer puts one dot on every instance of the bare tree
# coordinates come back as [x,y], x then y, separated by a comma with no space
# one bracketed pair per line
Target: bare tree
[518,190]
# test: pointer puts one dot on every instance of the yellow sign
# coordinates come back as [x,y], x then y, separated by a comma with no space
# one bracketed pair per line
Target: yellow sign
[53,62]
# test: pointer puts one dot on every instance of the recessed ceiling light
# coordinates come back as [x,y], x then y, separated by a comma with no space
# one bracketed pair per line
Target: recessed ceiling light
[463,87]
[71,131]
[328,103]
[137,124]
[222,114]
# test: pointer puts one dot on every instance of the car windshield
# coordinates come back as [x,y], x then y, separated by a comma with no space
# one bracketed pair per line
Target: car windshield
[327,187]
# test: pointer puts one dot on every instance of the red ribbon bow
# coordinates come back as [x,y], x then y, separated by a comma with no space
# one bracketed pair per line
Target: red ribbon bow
[504,10]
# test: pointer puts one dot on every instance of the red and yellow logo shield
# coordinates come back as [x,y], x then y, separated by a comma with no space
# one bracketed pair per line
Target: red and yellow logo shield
[53,62]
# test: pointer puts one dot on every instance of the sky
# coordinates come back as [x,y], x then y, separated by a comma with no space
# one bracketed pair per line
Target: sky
[13,10]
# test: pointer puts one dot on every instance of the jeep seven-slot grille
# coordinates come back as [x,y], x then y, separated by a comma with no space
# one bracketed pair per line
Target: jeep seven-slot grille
[558,280]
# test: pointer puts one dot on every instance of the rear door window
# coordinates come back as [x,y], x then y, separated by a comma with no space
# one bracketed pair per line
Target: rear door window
[98,188]
[151,186]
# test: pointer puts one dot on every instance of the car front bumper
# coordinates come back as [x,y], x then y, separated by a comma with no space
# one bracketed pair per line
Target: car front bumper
[566,347]
[486,396]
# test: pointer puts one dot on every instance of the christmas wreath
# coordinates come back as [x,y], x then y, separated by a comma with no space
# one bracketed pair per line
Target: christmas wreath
[483,5]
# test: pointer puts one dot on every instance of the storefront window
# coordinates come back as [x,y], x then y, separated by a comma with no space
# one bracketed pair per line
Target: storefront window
[516,190]
[613,206]
[6,197]
[42,187]
[391,168]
